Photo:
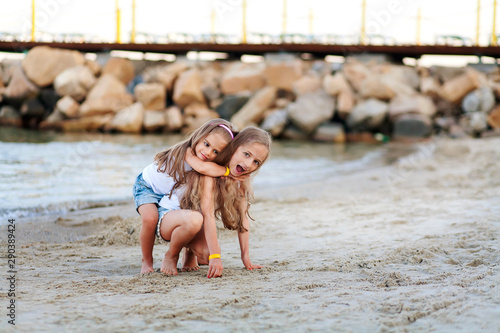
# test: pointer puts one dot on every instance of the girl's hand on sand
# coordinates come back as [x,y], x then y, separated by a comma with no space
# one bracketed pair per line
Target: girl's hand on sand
[248,265]
[215,268]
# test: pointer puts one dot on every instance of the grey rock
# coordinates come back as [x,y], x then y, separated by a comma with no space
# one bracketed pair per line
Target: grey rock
[368,115]
[32,108]
[230,105]
[10,117]
[275,122]
[311,109]
[412,125]
[481,99]
[330,132]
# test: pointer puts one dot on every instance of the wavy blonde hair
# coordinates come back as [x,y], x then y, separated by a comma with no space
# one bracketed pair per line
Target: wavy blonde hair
[171,160]
[228,194]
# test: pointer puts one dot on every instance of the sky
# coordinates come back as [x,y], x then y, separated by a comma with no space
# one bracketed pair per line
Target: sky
[395,19]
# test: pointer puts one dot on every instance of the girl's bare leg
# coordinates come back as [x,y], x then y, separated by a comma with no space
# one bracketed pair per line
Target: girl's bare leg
[189,262]
[179,227]
[199,247]
[149,215]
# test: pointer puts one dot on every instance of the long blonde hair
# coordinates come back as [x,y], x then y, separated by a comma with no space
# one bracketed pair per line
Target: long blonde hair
[228,194]
[171,160]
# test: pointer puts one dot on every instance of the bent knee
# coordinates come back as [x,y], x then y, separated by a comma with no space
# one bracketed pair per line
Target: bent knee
[195,221]
[150,220]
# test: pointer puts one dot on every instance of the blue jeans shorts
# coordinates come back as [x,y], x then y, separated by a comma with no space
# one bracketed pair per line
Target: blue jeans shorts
[161,212]
[143,194]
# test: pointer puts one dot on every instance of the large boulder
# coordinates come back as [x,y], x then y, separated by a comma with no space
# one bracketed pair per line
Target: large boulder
[151,95]
[494,117]
[32,108]
[8,67]
[481,99]
[306,84]
[192,123]
[241,77]
[283,74]
[154,120]
[128,120]
[121,68]
[210,83]
[411,126]
[445,74]
[455,89]
[337,85]
[230,105]
[187,88]
[411,104]
[368,115]
[91,123]
[174,119]
[108,95]
[430,86]
[345,102]
[275,122]
[68,107]
[312,109]
[20,87]
[404,74]
[199,110]
[474,123]
[94,67]
[10,117]
[43,64]
[394,84]
[292,132]
[165,74]
[330,132]
[373,86]
[253,111]
[356,73]
[75,82]
[49,97]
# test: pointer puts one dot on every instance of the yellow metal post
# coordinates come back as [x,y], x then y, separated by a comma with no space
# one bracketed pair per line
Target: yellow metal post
[477,21]
[284,20]
[494,30]
[132,35]
[419,20]
[33,19]
[363,18]
[244,32]
[311,19]
[118,23]
[212,26]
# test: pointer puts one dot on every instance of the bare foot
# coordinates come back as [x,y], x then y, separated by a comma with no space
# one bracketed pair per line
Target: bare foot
[189,262]
[169,264]
[147,267]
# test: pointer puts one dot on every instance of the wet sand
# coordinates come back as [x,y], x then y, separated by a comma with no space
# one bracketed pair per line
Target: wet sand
[410,247]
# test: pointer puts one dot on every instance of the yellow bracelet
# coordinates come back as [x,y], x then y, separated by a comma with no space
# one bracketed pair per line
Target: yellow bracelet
[227,172]
[213,256]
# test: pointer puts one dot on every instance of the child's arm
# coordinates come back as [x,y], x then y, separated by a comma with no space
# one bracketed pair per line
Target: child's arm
[244,237]
[208,168]
[205,168]
[208,211]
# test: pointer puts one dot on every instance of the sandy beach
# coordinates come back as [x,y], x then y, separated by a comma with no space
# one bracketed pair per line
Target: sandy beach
[409,247]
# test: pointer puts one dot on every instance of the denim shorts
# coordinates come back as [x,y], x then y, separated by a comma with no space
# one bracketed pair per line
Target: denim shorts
[143,194]
[161,212]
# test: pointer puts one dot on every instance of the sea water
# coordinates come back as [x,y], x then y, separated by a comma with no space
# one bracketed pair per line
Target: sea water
[45,172]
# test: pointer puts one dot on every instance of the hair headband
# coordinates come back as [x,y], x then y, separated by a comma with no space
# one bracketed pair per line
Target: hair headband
[227,129]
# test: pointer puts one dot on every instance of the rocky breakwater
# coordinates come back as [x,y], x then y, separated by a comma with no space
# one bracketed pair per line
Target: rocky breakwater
[53,89]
